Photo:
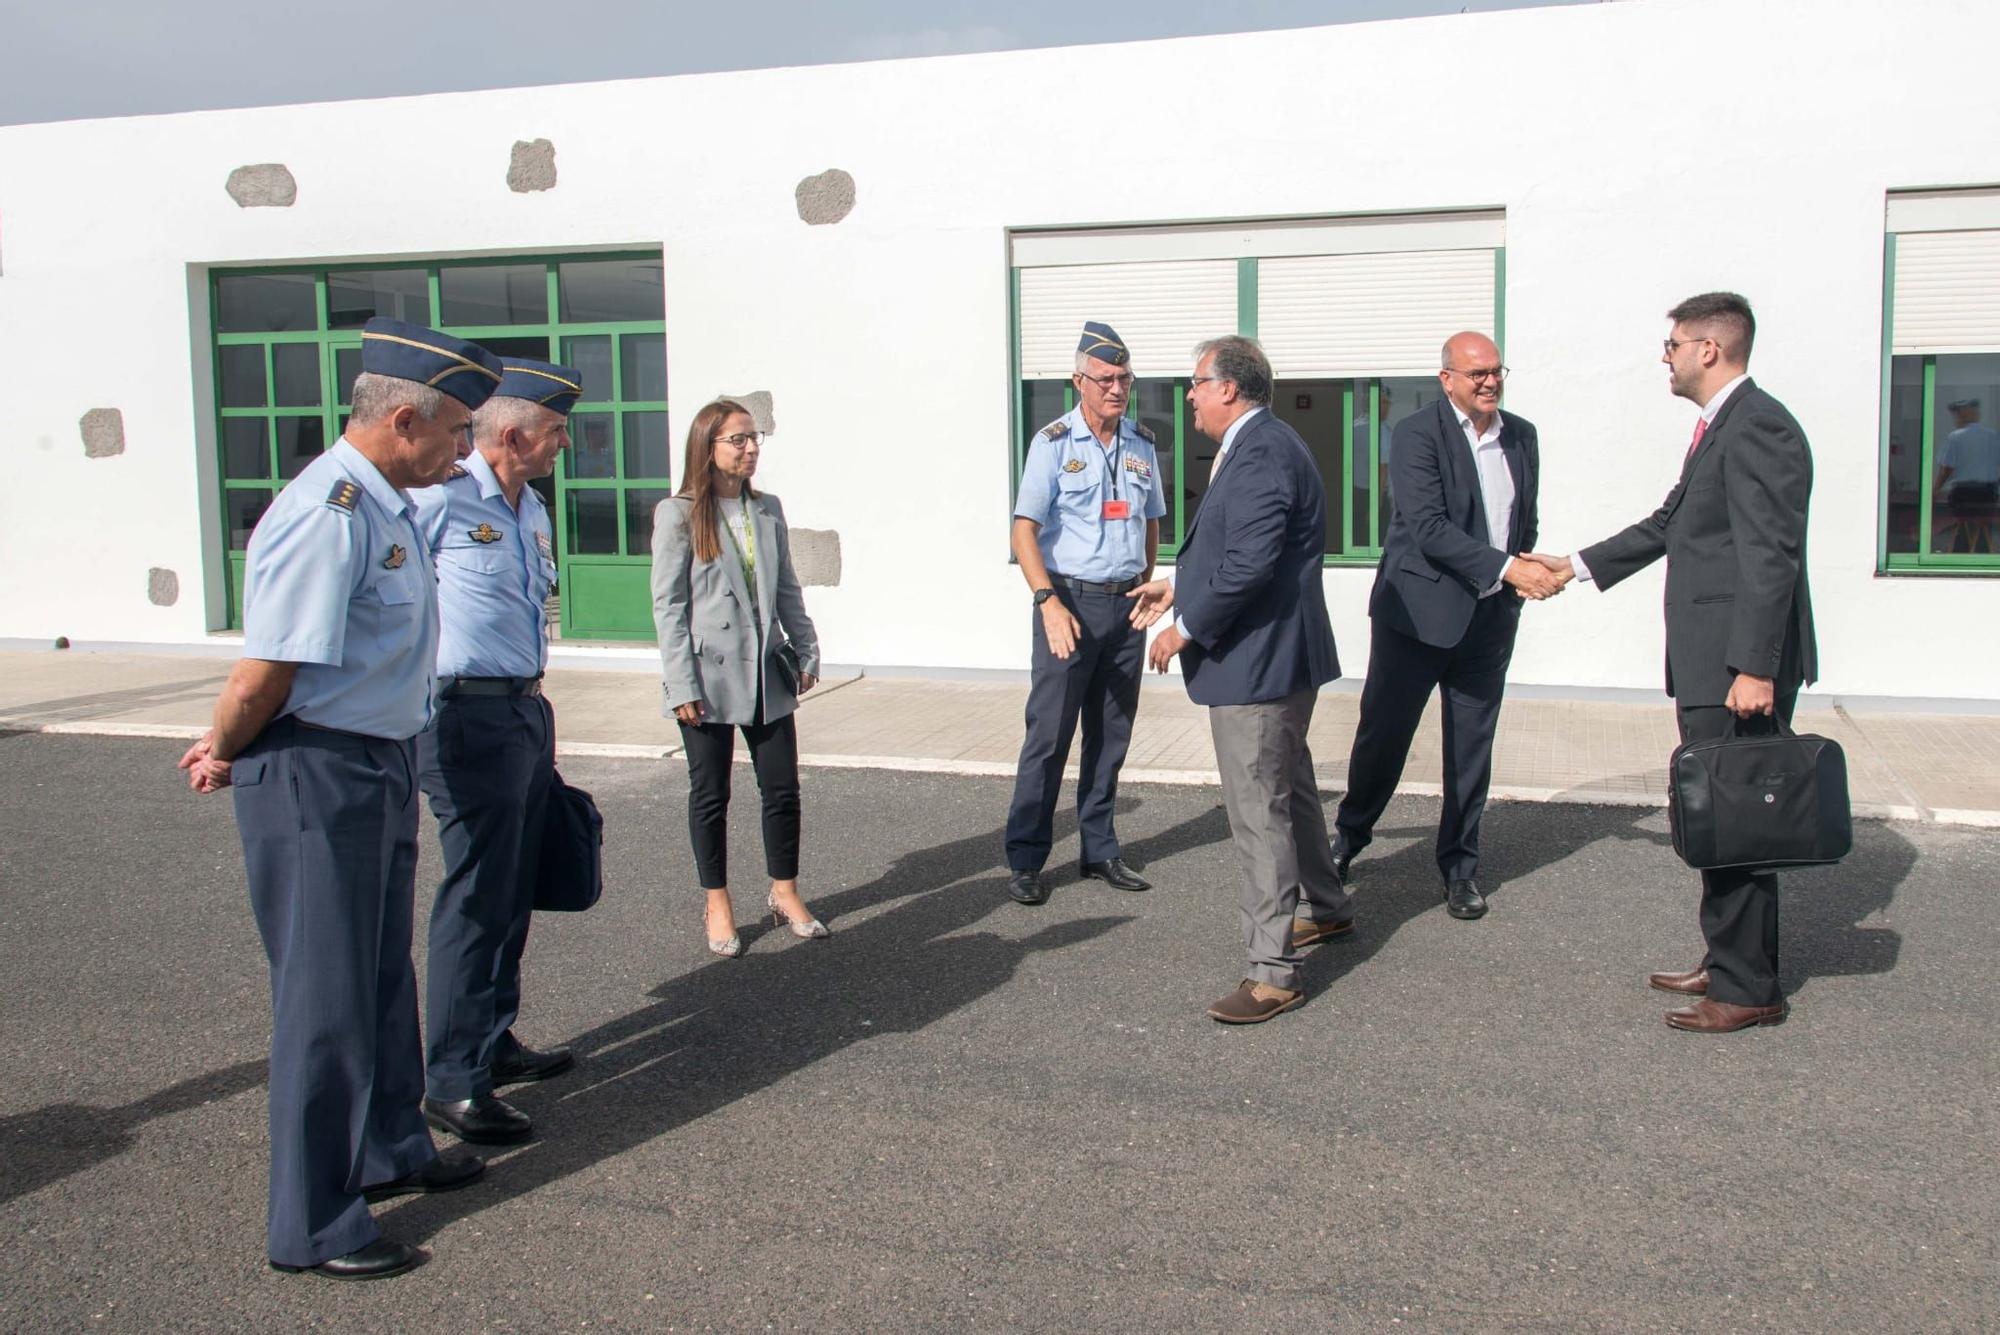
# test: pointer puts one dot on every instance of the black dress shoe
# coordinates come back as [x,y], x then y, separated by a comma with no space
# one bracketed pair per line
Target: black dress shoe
[483,1121]
[447,1172]
[520,1064]
[1027,887]
[1342,860]
[1463,900]
[1114,873]
[378,1260]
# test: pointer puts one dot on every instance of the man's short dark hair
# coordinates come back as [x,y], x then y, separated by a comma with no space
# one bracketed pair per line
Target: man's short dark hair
[1240,360]
[1725,312]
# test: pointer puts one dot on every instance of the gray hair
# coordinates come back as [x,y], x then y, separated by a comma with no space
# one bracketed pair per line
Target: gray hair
[502,411]
[376,396]
[1240,361]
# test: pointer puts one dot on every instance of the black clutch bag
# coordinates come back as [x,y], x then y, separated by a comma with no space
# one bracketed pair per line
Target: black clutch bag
[788,667]
[570,875]
[1775,800]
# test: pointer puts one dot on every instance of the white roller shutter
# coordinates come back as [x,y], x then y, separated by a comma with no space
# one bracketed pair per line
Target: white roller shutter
[1947,296]
[1161,310]
[1373,314]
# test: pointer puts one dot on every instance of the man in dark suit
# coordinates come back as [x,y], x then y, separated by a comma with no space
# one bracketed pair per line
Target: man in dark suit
[1446,605]
[1739,618]
[1255,647]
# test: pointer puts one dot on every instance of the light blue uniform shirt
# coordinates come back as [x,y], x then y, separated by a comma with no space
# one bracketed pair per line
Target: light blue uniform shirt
[494,570]
[1068,478]
[339,581]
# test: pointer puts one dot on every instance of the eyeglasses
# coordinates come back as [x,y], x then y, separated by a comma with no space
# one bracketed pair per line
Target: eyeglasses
[1497,374]
[1673,345]
[1107,382]
[1194,380]
[741,439]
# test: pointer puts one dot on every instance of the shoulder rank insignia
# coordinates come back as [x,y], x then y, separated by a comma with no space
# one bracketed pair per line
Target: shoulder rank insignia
[1145,433]
[343,496]
[1075,466]
[484,533]
[1055,430]
[457,472]
[394,560]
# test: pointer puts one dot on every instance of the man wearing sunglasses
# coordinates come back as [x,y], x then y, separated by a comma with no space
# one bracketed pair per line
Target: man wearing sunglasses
[1086,528]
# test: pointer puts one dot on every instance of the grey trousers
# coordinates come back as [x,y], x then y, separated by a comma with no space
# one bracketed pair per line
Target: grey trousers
[1278,827]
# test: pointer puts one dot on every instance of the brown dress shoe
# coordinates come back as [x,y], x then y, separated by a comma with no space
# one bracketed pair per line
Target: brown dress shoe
[1306,932]
[1709,1016]
[1693,983]
[1253,1003]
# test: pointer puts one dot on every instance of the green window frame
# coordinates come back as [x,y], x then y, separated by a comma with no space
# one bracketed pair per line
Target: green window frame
[604,594]
[1892,512]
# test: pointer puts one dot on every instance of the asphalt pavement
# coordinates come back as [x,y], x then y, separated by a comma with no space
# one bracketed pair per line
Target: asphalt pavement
[958,1113]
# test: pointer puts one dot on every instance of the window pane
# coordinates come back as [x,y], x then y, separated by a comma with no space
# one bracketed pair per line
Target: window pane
[300,441]
[591,452]
[1313,409]
[1400,398]
[242,376]
[646,453]
[346,366]
[590,354]
[534,346]
[1906,454]
[243,509]
[593,522]
[1153,404]
[261,303]
[295,373]
[640,502]
[611,290]
[499,294]
[643,359]
[1965,510]
[353,299]
[246,448]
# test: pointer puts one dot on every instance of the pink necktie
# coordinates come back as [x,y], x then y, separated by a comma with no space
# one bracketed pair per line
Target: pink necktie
[1700,425]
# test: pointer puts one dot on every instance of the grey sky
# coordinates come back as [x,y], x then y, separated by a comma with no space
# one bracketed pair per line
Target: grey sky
[60,61]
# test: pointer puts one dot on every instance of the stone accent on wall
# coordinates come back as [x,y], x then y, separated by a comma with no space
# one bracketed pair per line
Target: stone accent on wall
[263,185]
[825,198]
[816,555]
[163,587]
[762,412]
[533,166]
[103,433]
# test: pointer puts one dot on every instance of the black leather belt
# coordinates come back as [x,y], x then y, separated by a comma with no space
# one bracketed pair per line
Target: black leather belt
[450,688]
[1093,586]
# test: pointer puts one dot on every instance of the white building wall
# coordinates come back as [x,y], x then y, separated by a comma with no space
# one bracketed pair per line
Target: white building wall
[1642,151]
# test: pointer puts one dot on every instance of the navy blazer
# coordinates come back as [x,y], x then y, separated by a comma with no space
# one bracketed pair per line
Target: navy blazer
[1247,580]
[1733,531]
[1438,556]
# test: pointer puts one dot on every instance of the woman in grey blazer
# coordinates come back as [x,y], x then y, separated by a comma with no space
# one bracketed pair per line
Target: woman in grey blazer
[736,651]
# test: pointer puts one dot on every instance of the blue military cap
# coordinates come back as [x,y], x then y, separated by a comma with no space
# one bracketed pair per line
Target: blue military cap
[466,371]
[1102,342]
[552,386]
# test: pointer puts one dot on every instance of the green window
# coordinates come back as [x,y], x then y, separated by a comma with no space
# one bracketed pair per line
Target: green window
[288,347]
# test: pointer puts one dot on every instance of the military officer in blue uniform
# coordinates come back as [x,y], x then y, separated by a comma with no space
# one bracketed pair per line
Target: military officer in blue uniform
[486,760]
[315,731]
[1086,529]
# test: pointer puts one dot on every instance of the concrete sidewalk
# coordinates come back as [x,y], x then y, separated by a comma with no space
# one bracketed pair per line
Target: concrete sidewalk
[1942,768]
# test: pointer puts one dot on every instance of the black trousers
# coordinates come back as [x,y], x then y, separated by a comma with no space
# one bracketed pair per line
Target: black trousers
[1739,909]
[1098,686]
[1402,673]
[485,763]
[774,754]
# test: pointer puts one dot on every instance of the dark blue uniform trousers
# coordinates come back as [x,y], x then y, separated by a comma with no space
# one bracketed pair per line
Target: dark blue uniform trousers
[1098,684]
[485,764]
[329,827]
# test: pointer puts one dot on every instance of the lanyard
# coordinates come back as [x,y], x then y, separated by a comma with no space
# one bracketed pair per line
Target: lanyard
[1111,458]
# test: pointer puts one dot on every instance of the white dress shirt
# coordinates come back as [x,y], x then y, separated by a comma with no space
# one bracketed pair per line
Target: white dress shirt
[1708,412]
[1496,487]
[1228,439]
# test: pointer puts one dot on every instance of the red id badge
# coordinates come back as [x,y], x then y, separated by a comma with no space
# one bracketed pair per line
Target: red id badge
[1118,509]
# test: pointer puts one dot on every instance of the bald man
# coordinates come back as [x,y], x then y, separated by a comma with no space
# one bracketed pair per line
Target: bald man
[1446,604]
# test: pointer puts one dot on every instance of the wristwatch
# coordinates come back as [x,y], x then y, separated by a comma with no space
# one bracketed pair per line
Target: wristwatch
[1043,595]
